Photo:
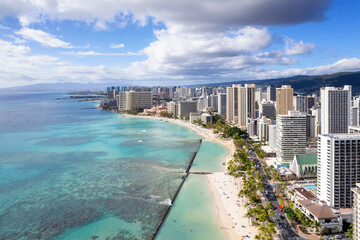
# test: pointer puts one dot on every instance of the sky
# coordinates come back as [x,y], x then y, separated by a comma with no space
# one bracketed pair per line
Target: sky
[177,42]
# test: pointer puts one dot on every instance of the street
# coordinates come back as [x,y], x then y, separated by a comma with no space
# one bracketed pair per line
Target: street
[286,232]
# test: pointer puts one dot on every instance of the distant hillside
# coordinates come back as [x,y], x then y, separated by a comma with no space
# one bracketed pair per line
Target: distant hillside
[308,84]
[301,84]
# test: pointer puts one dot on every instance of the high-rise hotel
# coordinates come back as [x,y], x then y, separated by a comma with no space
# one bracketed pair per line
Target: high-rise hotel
[335,109]
[338,168]
[134,100]
[240,104]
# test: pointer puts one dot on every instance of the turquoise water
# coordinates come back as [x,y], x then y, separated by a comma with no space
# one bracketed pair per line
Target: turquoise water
[71,171]
[310,187]
[209,157]
[192,216]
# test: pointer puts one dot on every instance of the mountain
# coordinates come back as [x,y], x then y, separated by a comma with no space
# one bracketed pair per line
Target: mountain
[301,84]
[307,84]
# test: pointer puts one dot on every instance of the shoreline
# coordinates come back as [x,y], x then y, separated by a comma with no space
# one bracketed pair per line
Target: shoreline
[230,209]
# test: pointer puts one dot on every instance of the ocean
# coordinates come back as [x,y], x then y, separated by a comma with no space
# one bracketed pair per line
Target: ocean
[71,171]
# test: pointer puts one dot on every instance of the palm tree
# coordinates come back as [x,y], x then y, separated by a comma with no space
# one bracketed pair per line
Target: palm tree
[317,226]
[271,213]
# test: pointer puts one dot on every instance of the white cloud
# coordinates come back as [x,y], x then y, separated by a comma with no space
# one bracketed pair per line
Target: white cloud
[20,66]
[297,48]
[211,40]
[4,28]
[93,53]
[43,38]
[121,45]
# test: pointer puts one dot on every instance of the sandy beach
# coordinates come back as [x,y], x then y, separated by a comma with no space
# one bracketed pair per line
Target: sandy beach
[230,208]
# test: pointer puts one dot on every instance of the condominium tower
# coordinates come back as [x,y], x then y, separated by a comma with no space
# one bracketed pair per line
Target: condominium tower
[338,168]
[335,109]
[284,99]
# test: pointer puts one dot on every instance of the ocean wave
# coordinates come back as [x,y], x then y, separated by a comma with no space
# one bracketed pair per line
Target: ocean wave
[152,196]
[166,202]
[140,141]
[143,130]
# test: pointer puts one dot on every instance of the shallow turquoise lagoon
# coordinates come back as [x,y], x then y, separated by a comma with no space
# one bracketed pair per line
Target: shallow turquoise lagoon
[210,157]
[193,214]
[71,171]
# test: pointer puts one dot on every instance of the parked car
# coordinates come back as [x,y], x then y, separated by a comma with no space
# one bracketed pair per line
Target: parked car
[337,236]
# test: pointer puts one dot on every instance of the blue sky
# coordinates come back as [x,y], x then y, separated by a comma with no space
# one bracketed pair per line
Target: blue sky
[175,42]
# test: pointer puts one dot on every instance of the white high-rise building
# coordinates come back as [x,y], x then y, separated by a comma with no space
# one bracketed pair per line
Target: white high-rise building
[290,136]
[272,136]
[356,213]
[335,109]
[338,168]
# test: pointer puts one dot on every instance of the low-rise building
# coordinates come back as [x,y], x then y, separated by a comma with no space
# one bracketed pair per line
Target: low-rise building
[304,165]
[206,118]
[194,116]
[298,192]
[318,211]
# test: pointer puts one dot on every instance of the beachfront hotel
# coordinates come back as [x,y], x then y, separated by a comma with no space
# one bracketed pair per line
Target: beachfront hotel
[290,136]
[240,104]
[134,100]
[338,168]
[186,107]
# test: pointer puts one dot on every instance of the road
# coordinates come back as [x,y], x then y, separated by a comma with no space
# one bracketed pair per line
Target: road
[285,230]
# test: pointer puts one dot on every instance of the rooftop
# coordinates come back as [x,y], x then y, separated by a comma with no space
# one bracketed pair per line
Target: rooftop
[318,210]
[342,135]
[308,159]
[305,193]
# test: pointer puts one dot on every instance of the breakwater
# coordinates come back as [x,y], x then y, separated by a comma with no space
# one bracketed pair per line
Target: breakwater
[167,210]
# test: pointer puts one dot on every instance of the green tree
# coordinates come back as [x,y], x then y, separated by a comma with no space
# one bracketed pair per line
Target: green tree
[350,232]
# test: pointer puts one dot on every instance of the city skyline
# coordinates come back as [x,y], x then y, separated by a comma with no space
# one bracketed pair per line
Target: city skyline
[175,43]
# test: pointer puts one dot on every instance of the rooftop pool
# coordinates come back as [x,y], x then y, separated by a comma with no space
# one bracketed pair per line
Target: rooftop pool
[310,187]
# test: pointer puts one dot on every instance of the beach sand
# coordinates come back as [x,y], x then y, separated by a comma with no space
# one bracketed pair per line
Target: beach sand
[230,208]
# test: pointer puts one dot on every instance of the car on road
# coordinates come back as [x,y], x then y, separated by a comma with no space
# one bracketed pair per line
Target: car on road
[337,236]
